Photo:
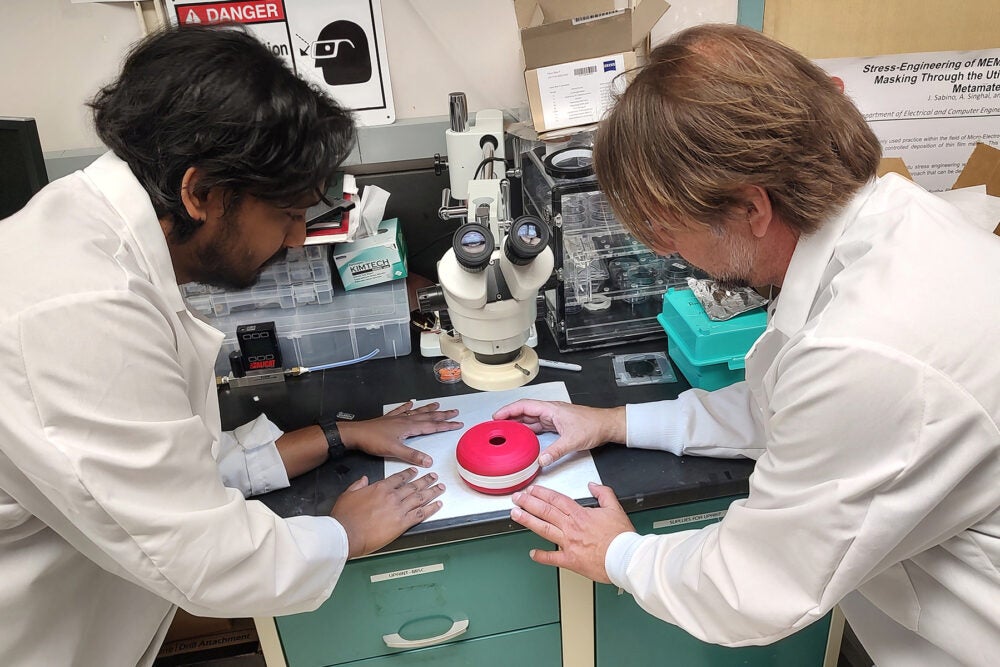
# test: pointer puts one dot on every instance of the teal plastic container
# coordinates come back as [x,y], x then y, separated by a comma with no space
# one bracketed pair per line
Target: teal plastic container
[709,354]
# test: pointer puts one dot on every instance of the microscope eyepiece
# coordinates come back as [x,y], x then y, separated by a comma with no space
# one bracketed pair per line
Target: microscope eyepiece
[473,246]
[528,237]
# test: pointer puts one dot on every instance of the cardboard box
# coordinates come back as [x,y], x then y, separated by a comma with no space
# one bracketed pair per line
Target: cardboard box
[562,31]
[574,93]
[373,259]
[893,165]
[203,638]
[982,168]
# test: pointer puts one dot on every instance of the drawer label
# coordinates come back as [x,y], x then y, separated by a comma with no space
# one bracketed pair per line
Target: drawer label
[411,572]
[694,518]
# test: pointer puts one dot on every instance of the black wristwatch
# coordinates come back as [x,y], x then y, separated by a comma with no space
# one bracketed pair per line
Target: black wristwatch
[334,445]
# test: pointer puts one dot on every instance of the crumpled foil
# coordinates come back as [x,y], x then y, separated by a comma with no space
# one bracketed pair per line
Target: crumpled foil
[721,304]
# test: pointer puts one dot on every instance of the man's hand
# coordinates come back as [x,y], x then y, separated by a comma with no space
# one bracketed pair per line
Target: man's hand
[582,534]
[375,514]
[384,436]
[578,426]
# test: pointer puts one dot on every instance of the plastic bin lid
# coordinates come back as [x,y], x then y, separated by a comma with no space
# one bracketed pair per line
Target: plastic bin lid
[688,307]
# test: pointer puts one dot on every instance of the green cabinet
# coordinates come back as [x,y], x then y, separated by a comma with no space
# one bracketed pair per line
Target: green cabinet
[485,603]
[627,635]
[442,596]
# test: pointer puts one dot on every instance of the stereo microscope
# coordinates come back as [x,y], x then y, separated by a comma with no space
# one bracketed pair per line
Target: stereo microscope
[490,277]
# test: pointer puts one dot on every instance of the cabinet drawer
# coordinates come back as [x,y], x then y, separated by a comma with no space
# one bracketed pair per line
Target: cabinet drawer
[627,635]
[690,516]
[448,593]
[537,647]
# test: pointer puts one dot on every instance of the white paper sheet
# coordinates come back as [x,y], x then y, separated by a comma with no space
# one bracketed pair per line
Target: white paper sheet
[570,475]
[979,208]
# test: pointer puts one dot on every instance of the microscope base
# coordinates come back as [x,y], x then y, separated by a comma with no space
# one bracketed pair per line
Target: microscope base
[430,343]
[492,377]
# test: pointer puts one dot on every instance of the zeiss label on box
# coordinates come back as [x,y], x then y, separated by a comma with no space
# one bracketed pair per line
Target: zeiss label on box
[373,259]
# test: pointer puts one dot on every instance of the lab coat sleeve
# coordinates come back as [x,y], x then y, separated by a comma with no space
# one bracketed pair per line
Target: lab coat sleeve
[107,434]
[699,423]
[249,460]
[871,458]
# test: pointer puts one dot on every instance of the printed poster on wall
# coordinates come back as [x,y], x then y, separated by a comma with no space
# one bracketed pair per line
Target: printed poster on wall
[930,109]
[339,45]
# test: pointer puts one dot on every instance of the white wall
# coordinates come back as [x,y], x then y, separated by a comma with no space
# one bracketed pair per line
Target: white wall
[56,54]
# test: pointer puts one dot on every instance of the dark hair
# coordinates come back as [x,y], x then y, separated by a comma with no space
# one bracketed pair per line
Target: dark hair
[215,98]
[720,107]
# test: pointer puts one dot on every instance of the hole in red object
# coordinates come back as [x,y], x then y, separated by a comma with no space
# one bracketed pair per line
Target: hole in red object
[497,440]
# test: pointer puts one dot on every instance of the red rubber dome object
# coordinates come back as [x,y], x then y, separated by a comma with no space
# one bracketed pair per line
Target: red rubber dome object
[498,457]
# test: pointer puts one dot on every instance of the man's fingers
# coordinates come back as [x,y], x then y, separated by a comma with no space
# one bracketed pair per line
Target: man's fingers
[410,455]
[525,406]
[439,415]
[359,484]
[543,529]
[433,425]
[605,495]
[417,485]
[540,508]
[400,409]
[400,478]
[422,497]
[423,512]
[558,449]
[562,503]
[554,558]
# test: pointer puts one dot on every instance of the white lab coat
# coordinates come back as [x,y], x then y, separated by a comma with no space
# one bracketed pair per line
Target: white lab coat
[871,405]
[112,507]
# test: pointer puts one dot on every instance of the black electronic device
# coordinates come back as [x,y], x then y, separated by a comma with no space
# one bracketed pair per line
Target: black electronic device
[22,167]
[259,347]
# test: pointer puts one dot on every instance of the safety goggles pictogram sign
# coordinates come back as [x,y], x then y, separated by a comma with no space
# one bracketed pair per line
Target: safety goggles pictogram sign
[338,46]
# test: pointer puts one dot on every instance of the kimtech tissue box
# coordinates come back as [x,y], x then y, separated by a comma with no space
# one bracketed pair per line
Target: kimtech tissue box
[372,259]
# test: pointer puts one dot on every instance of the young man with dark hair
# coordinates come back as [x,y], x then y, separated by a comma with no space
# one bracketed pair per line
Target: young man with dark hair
[871,402]
[120,498]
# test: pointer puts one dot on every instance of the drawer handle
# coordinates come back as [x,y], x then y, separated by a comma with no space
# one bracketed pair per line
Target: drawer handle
[396,641]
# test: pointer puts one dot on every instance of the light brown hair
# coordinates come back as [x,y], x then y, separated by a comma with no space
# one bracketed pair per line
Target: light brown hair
[720,107]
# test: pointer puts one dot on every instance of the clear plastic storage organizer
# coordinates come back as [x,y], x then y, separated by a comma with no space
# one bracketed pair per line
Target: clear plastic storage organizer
[312,332]
[301,279]
[608,286]
[351,326]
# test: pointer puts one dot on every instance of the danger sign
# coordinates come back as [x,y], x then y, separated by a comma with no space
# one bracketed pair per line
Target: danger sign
[335,45]
[259,11]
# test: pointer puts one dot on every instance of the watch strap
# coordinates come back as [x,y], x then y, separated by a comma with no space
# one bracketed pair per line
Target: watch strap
[334,444]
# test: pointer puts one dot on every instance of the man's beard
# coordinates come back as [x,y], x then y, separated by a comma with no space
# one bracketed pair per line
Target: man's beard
[220,261]
[742,255]
[220,269]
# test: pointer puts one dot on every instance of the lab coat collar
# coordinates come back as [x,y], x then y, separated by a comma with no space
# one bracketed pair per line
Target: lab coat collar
[119,185]
[809,262]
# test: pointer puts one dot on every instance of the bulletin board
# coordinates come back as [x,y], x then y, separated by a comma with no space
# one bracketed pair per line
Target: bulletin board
[337,46]
[845,28]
